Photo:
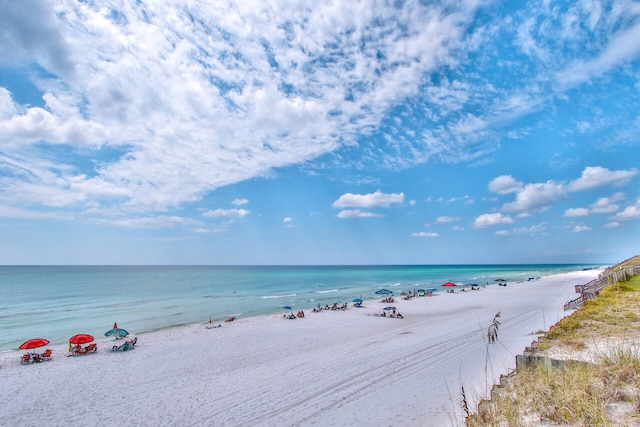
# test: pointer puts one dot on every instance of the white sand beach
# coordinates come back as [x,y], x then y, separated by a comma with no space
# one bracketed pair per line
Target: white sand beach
[332,368]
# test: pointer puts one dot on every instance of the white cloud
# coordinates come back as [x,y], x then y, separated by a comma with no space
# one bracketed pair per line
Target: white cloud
[540,196]
[287,220]
[598,176]
[29,31]
[487,220]
[581,228]
[356,213]
[576,212]
[226,213]
[424,234]
[504,184]
[629,213]
[239,202]
[537,197]
[376,199]
[607,204]
[227,94]
[188,97]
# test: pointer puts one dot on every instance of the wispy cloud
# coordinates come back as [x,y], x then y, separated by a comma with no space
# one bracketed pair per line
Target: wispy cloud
[226,213]
[239,202]
[356,213]
[446,219]
[532,230]
[227,94]
[424,234]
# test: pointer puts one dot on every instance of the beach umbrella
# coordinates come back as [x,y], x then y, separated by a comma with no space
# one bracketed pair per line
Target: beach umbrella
[286,307]
[389,308]
[117,332]
[383,292]
[33,343]
[449,284]
[357,300]
[81,339]
[500,280]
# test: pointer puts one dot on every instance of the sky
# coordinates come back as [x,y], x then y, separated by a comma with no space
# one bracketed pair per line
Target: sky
[297,132]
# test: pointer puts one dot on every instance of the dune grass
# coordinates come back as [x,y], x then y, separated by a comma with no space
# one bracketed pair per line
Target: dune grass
[601,390]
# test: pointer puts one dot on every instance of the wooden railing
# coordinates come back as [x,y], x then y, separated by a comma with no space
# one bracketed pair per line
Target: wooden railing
[593,288]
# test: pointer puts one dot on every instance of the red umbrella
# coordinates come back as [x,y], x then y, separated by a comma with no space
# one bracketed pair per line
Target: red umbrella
[34,343]
[81,339]
[449,284]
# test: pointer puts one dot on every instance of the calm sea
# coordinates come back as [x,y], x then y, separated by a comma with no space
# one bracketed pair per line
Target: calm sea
[56,302]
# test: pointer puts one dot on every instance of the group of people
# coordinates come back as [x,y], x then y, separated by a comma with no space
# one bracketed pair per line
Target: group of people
[78,349]
[335,306]
[34,357]
[298,315]
[394,314]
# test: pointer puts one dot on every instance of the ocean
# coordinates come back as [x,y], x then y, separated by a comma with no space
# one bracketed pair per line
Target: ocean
[56,302]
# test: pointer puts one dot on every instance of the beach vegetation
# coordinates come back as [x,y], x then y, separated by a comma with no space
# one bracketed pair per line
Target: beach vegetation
[492,331]
[595,375]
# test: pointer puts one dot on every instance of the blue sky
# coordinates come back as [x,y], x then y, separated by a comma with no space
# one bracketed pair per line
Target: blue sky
[290,132]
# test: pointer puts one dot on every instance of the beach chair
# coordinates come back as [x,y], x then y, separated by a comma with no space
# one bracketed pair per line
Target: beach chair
[46,355]
[26,359]
[91,347]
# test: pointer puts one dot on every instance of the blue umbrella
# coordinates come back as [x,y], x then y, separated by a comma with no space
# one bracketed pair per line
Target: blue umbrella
[286,307]
[383,292]
[357,300]
[389,308]
[117,332]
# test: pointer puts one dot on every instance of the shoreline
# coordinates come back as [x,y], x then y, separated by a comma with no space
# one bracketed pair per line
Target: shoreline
[147,299]
[327,367]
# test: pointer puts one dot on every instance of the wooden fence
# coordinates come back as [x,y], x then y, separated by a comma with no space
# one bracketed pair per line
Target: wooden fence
[593,288]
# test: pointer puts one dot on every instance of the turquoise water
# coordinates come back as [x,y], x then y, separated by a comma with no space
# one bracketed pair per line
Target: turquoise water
[56,302]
